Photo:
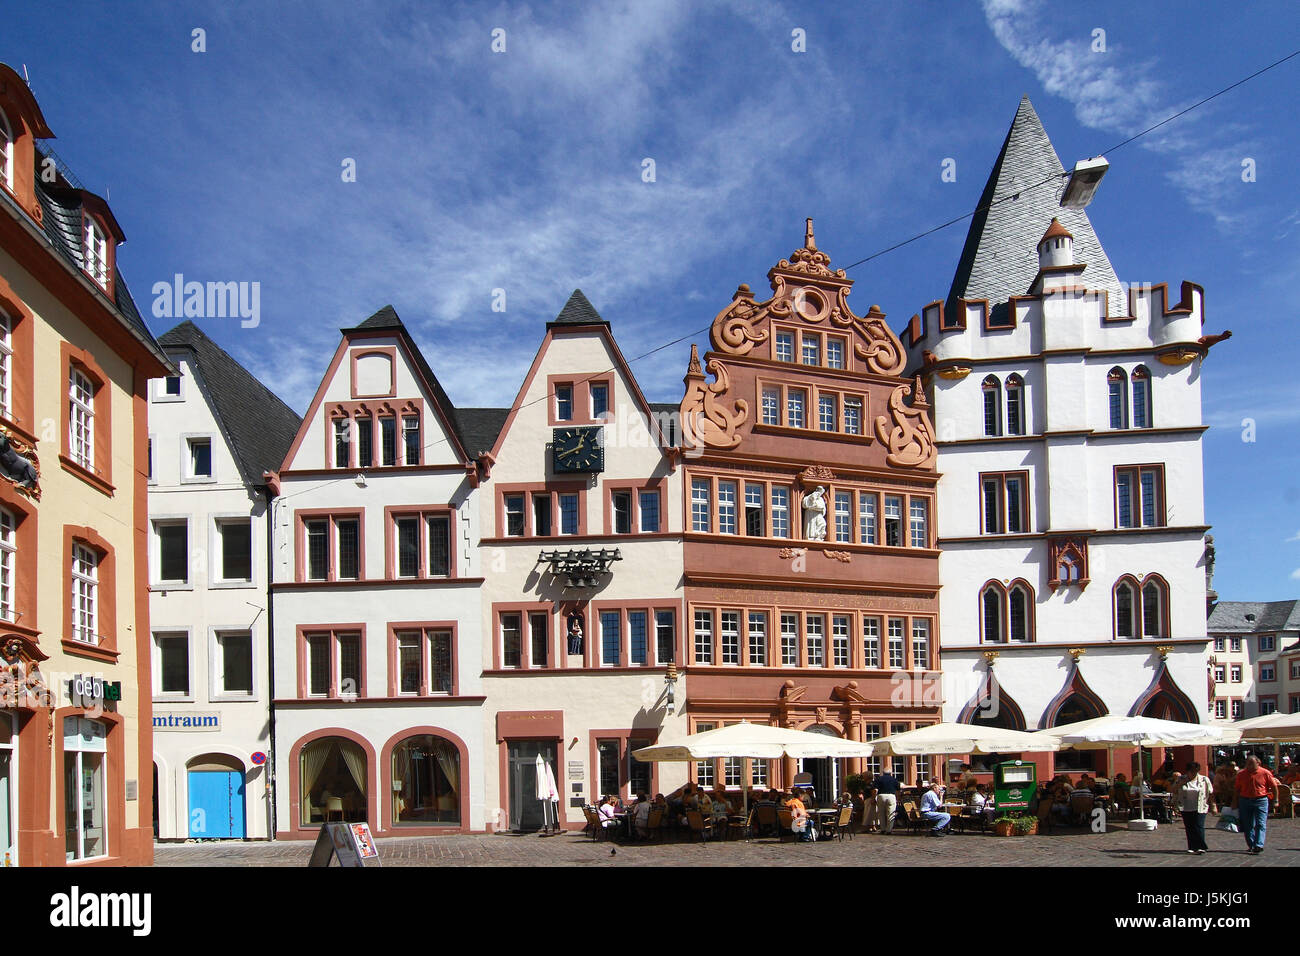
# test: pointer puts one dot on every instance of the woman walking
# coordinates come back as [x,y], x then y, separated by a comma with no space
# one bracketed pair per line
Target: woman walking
[1194,795]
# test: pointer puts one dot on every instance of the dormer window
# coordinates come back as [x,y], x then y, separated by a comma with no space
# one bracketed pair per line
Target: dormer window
[6,153]
[95,254]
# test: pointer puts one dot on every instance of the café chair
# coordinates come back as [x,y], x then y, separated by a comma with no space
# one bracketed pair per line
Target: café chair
[598,829]
[1045,814]
[655,824]
[785,823]
[700,824]
[1081,805]
[333,805]
[841,823]
[766,820]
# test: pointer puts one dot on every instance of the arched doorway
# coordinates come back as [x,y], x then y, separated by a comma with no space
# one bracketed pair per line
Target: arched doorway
[215,784]
[426,782]
[827,774]
[333,781]
[1073,709]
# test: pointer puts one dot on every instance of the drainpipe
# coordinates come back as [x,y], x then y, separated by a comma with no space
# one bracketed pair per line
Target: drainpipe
[270,652]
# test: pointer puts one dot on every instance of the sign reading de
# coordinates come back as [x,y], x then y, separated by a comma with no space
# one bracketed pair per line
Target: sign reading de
[89,692]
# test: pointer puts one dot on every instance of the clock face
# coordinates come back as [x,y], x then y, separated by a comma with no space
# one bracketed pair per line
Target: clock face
[578,449]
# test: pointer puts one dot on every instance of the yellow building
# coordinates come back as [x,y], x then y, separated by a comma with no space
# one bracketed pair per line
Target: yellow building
[76,780]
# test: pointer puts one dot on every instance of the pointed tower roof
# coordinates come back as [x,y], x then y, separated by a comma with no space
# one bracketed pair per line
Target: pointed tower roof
[1056,231]
[577,311]
[1000,257]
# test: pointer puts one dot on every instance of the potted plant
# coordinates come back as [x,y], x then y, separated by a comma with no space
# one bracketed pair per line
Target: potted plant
[1007,825]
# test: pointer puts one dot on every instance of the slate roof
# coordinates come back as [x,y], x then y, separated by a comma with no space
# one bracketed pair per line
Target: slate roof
[577,311]
[259,426]
[480,427]
[61,222]
[1000,256]
[1229,617]
[386,318]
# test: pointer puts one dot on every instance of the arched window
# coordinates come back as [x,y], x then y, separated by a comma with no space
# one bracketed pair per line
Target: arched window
[1117,382]
[1126,604]
[1020,613]
[992,406]
[426,782]
[6,153]
[1154,618]
[991,600]
[1067,570]
[332,775]
[1015,405]
[1141,397]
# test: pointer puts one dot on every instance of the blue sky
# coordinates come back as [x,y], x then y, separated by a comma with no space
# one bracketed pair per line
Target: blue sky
[522,170]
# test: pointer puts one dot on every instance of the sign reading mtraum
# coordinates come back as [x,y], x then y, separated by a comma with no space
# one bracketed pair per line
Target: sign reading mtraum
[186,721]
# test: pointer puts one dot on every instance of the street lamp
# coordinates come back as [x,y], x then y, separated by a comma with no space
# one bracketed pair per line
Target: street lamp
[1083,183]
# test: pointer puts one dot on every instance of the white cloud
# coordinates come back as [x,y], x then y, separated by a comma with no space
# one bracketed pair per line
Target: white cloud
[1294,538]
[1295,575]
[1114,93]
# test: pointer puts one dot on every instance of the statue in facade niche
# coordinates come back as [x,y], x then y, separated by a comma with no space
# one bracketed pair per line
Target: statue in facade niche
[814,514]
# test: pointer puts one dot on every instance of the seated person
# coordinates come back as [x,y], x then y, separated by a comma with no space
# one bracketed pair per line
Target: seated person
[641,816]
[966,779]
[721,801]
[800,821]
[932,810]
[606,812]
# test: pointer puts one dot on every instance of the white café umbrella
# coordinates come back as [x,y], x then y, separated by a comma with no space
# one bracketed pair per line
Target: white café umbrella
[547,793]
[756,741]
[948,738]
[1276,729]
[1116,730]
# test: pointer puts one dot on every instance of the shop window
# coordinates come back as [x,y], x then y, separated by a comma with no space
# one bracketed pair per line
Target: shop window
[426,782]
[333,782]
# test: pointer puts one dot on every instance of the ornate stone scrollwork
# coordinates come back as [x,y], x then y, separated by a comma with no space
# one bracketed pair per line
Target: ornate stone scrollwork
[786,553]
[910,438]
[806,289]
[706,421]
[841,556]
[882,351]
[21,683]
[19,464]
[735,329]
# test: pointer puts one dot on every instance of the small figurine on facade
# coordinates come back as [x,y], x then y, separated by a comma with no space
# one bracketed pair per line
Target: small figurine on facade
[575,635]
[814,515]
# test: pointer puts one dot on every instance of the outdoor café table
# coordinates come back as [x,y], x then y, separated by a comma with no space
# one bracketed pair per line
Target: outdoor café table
[824,817]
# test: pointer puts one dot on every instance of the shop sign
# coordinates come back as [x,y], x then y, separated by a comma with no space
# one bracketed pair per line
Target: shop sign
[188,721]
[90,692]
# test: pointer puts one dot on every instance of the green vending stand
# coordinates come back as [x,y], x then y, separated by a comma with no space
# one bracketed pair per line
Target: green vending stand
[1014,783]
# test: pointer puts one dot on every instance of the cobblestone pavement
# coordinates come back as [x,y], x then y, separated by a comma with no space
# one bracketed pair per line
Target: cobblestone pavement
[1117,847]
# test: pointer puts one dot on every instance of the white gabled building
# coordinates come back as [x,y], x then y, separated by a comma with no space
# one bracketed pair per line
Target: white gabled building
[582,513]
[214,431]
[378,693]
[1070,515]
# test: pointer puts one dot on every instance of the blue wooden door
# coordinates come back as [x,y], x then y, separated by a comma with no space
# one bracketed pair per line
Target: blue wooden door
[216,804]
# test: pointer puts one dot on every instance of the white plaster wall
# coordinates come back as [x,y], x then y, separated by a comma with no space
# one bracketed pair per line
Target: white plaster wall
[204,607]
[378,725]
[1033,677]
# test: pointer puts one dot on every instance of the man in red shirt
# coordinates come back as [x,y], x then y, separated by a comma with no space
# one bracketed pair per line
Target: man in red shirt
[1254,785]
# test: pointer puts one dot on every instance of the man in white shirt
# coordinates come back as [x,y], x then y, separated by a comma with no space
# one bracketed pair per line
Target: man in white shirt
[932,810]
